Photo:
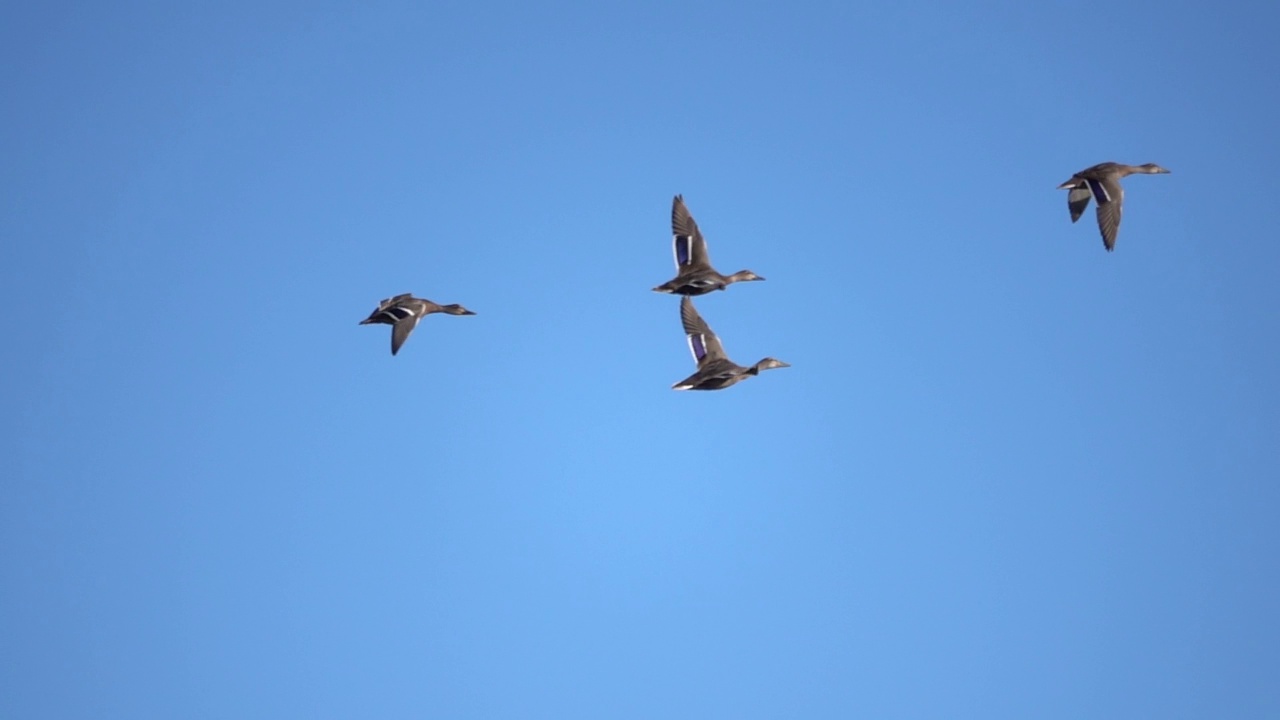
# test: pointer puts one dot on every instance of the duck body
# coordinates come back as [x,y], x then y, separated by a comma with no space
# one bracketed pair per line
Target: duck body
[722,374]
[1101,183]
[403,312]
[694,284]
[694,273]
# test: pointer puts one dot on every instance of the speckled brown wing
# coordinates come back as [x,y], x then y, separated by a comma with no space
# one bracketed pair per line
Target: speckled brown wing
[1110,198]
[703,343]
[690,247]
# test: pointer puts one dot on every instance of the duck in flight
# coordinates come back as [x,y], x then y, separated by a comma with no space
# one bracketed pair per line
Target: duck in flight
[403,312]
[694,274]
[1102,183]
[715,370]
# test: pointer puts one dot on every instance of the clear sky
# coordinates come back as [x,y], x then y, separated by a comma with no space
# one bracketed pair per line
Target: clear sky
[1008,475]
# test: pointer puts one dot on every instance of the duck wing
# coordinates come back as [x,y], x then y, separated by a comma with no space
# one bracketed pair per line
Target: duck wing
[703,343]
[401,331]
[1110,197]
[1078,200]
[689,246]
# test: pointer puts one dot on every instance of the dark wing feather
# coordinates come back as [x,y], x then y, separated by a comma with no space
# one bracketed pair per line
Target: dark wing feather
[399,312]
[1101,189]
[389,311]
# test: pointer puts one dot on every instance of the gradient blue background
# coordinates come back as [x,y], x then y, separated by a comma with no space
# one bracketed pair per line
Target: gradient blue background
[1009,475]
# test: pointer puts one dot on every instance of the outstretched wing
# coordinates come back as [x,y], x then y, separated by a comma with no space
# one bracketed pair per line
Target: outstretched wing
[401,330]
[690,248]
[1110,197]
[703,343]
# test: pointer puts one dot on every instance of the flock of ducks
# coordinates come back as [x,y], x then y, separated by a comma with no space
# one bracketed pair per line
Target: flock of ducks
[695,276]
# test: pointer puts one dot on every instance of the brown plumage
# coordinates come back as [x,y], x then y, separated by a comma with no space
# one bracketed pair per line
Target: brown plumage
[694,274]
[715,370]
[1102,183]
[403,312]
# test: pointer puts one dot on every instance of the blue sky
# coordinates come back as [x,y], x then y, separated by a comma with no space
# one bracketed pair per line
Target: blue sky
[1008,474]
